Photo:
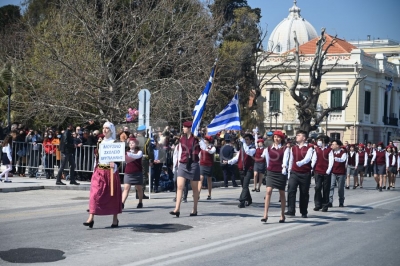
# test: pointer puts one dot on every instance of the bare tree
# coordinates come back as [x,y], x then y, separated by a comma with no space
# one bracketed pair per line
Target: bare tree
[306,107]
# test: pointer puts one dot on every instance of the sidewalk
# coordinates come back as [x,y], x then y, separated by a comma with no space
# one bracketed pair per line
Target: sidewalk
[31,183]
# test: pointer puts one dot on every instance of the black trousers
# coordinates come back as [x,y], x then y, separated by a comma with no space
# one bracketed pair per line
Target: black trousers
[155,176]
[70,158]
[303,182]
[322,189]
[246,176]
[369,170]
[228,172]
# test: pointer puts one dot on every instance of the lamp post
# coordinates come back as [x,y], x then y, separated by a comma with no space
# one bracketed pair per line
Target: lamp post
[326,124]
[271,103]
[276,120]
[9,109]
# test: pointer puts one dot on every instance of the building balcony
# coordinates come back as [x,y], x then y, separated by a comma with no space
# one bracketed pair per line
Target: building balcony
[390,121]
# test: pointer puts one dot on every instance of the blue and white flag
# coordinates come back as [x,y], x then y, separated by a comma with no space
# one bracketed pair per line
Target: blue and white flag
[201,104]
[229,118]
[389,87]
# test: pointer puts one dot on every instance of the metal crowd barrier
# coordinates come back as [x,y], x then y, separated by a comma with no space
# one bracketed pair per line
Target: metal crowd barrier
[45,159]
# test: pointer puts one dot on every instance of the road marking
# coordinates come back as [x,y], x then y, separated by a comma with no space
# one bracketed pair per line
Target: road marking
[183,255]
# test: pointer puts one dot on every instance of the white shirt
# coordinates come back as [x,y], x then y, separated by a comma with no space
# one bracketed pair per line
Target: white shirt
[249,151]
[306,159]
[7,150]
[330,160]
[365,158]
[285,160]
[341,159]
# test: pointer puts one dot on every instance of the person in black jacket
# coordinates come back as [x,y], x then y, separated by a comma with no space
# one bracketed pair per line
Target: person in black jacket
[67,148]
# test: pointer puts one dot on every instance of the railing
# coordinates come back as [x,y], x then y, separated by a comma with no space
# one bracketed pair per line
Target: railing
[37,160]
[393,121]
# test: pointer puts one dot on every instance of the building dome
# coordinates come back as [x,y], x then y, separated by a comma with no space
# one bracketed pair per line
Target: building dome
[281,39]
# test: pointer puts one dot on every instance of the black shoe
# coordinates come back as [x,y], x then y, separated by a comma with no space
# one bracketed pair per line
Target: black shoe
[282,220]
[330,205]
[241,205]
[324,209]
[123,205]
[74,183]
[248,203]
[354,187]
[380,189]
[290,213]
[304,216]
[341,205]
[175,213]
[264,220]
[388,188]
[140,205]
[193,214]
[115,225]
[89,224]
[377,186]
[317,209]
[347,187]
[60,183]
[253,190]
[208,197]
[384,187]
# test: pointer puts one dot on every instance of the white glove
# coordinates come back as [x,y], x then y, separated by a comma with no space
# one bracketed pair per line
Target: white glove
[283,171]
[328,173]
[255,130]
[298,164]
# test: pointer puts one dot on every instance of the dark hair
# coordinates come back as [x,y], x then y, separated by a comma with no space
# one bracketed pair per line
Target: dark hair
[338,142]
[325,139]
[248,135]
[302,132]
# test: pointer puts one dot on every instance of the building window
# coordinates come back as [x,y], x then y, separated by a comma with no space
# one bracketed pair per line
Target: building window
[336,99]
[278,48]
[334,136]
[275,100]
[367,103]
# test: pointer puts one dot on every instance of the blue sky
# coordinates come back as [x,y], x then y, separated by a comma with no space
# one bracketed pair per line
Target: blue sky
[349,19]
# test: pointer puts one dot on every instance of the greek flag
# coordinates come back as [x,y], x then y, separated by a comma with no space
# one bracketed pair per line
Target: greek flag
[201,104]
[228,119]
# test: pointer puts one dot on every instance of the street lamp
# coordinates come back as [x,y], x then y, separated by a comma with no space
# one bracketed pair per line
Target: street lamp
[9,108]
[271,104]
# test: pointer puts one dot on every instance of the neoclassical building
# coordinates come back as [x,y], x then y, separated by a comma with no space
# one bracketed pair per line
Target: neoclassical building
[374,108]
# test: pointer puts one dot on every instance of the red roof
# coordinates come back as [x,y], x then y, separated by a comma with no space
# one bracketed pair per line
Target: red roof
[339,47]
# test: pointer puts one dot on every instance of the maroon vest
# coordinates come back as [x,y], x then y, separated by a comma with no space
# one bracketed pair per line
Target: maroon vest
[369,152]
[134,167]
[298,155]
[275,159]
[248,161]
[351,160]
[206,159]
[189,146]
[322,162]
[339,168]
[380,157]
[257,155]
[390,159]
[361,158]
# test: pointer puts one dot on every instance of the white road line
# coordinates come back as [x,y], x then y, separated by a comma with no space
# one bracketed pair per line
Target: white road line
[217,246]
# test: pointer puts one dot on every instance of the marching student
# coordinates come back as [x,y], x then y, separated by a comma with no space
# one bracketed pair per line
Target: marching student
[322,163]
[338,171]
[361,164]
[276,158]
[351,167]
[390,166]
[300,174]
[206,164]
[259,165]
[6,158]
[245,161]
[379,158]
[369,150]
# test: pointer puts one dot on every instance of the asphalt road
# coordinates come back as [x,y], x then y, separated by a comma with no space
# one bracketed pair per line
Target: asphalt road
[45,227]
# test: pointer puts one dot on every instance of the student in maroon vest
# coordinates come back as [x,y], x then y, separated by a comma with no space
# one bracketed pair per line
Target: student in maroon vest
[276,158]
[322,162]
[398,169]
[338,172]
[369,168]
[188,167]
[351,166]
[245,161]
[206,164]
[259,165]
[390,165]
[133,172]
[362,163]
[379,158]
[300,174]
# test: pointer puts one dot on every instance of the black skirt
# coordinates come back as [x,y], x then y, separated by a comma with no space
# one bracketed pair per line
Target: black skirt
[134,178]
[205,171]
[259,168]
[276,180]
[192,173]
[4,159]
